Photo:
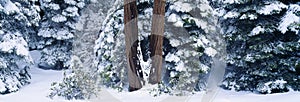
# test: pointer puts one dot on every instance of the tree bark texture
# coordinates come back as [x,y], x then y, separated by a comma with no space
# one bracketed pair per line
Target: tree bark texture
[131,36]
[156,41]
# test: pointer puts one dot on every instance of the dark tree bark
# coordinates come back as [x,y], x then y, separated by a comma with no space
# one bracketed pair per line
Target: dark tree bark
[131,36]
[156,41]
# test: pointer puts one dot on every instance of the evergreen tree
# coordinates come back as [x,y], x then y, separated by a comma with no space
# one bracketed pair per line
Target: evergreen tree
[262,44]
[187,49]
[17,21]
[57,29]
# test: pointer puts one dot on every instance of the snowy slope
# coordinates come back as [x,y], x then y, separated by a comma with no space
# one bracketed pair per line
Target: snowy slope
[222,96]
[42,79]
[39,87]
[37,90]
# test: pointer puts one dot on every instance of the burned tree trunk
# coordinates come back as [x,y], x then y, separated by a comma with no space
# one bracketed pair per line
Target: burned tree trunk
[131,36]
[156,41]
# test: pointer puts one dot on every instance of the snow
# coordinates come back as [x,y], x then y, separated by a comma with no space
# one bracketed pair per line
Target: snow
[64,34]
[11,7]
[14,42]
[249,58]
[174,42]
[268,86]
[2,86]
[71,2]
[1,32]
[210,51]
[70,11]
[222,96]
[110,38]
[42,79]
[204,68]
[250,16]
[59,18]
[181,7]
[289,18]
[1,7]
[39,86]
[37,90]
[201,23]
[274,7]
[47,0]
[46,32]
[257,30]
[80,5]
[3,63]
[176,20]
[54,6]
[173,74]
[12,83]
[231,14]
[173,18]
[180,66]
[172,58]
[179,23]
[231,1]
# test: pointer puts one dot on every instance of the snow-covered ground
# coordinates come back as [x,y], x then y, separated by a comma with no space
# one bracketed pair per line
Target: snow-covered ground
[42,79]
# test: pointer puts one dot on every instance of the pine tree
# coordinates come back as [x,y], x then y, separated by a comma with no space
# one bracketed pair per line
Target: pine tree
[57,29]
[17,20]
[187,47]
[262,44]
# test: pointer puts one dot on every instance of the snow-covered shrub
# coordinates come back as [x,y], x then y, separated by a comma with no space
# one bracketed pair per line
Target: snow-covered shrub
[82,80]
[277,86]
[17,20]
[262,43]
[77,83]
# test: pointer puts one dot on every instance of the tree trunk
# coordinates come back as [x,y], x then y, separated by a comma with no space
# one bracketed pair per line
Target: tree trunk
[156,41]
[131,36]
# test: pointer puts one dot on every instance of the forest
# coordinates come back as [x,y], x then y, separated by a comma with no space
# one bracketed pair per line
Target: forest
[155,47]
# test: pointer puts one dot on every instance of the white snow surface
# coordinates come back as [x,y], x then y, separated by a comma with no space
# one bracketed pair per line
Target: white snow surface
[256,31]
[171,57]
[289,18]
[42,79]
[231,14]
[181,7]
[59,18]
[71,2]
[210,51]
[13,42]
[54,6]
[273,7]
[231,1]
[11,7]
